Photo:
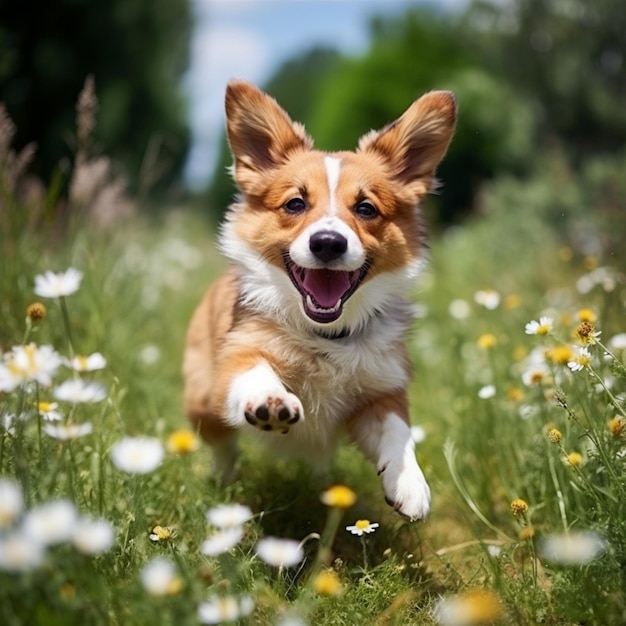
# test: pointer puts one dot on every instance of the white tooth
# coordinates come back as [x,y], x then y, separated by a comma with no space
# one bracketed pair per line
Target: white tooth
[310,305]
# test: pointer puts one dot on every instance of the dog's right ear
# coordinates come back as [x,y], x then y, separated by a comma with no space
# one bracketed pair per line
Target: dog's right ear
[260,133]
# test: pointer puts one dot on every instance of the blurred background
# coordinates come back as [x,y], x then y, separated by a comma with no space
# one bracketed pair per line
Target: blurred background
[541,86]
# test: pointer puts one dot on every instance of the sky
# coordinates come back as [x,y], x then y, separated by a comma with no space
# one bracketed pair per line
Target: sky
[250,39]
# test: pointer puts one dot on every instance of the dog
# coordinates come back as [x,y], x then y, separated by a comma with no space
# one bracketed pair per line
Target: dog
[304,338]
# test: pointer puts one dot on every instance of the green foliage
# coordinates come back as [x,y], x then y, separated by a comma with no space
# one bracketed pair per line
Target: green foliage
[137,52]
[576,82]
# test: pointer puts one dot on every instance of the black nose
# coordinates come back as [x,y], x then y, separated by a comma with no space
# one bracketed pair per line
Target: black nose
[327,245]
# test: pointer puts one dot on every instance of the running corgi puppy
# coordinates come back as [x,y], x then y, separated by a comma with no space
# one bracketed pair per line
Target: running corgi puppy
[304,338]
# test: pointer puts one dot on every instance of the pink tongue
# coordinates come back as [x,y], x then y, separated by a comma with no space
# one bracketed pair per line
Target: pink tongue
[326,286]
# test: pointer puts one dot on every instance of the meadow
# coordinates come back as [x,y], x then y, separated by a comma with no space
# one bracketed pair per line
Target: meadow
[109,512]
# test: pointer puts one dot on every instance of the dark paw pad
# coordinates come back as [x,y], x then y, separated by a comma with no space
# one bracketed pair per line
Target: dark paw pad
[273,414]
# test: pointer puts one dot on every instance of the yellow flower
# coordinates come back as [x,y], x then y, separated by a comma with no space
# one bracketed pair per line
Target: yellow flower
[566,254]
[514,394]
[36,311]
[586,333]
[471,608]
[574,459]
[338,496]
[617,426]
[519,353]
[327,583]
[554,435]
[519,507]
[560,355]
[512,301]
[161,533]
[526,533]
[487,341]
[587,315]
[590,263]
[182,442]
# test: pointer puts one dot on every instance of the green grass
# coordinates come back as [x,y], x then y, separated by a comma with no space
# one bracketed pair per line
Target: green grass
[141,282]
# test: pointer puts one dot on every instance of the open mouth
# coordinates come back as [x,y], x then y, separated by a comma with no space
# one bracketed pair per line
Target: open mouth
[324,291]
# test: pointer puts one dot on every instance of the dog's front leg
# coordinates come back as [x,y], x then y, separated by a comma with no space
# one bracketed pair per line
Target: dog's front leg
[257,396]
[382,433]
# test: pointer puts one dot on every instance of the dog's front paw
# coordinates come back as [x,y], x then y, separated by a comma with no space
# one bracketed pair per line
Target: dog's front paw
[277,411]
[406,489]
[259,398]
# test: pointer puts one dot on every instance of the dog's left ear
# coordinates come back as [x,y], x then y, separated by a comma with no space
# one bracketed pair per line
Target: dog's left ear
[416,142]
[260,133]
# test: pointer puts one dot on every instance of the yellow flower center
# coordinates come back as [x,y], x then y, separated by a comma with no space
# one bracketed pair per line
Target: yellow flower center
[362,524]
[560,354]
[339,496]
[162,532]
[583,359]
[617,426]
[182,442]
[554,435]
[574,458]
[327,583]
[487,341]
[543,329]
[587,315]
[519,507]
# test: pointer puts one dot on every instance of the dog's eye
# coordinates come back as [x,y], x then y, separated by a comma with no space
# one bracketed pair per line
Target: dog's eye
[366,210]
[295,206]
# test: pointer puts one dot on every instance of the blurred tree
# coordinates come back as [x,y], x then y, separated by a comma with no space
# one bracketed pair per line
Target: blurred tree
[295,87]
[420,51]
[570,57]
[136,50]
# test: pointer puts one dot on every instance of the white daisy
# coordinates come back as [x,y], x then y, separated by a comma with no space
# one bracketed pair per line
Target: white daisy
[459,309]
[29,363]
[418,434]
[362,526]
[66,432]
[618,342]
[51,285]
[93,536]
[221,541]
[150,354]
[574,548]
[229,515]
[581,360]
[536,374]
[89,363]
[486,392]
[542,327]
[11,501]
[160,577]
[488,298]
[19,553]
[7,423]
[51,523]
[220,609]
[137,455]
[280,552]
[76,391]
[48,411]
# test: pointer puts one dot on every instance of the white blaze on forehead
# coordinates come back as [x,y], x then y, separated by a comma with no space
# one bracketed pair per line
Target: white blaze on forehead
[333,166]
